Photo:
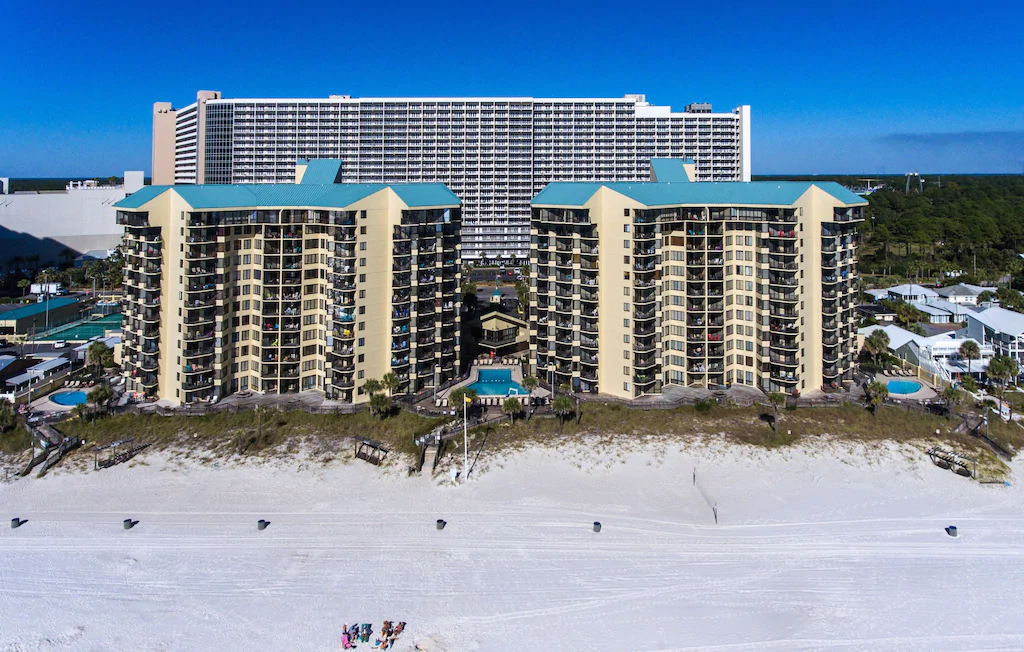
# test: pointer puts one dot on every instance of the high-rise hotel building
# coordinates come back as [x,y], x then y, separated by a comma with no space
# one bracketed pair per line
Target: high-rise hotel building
[495,153]
[639,286]
[285,287]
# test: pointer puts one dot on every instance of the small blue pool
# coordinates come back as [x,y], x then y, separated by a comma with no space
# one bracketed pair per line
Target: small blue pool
[903,386]
[496,382]
[68,398]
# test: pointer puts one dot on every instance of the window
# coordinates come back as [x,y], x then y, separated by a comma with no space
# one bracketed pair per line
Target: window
[362,230]
[362,246]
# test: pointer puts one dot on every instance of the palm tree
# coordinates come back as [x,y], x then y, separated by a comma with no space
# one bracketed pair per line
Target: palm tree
[530,383]
[390,382]
[372,386]
[24,284]
[98,354]
[953,397]
[67,255]
[100,394]
[970,351]
[512,406]
[380,404]
[877,393]
[563,407]
[460,396]
[875,343]
[1003,369]
[7,416]
[80,411]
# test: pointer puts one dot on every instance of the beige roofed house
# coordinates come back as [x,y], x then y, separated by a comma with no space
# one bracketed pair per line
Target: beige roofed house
[502,333]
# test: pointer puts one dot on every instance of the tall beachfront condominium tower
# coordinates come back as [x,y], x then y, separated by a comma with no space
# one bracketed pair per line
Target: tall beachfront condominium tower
[638,287]
[286,287]
[495,153]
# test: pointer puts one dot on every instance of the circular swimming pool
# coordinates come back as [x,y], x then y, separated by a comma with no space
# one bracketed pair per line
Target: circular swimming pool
[68,398]
[903,386]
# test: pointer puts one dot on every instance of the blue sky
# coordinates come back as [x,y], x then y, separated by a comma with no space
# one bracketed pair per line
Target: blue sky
[866,88]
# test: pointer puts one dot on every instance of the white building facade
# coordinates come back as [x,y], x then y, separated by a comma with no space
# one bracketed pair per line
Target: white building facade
[1000,328]
[496,153]
[78,219]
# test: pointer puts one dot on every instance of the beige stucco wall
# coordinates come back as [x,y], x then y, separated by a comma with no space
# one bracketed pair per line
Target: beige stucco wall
[163,143]
[746,295]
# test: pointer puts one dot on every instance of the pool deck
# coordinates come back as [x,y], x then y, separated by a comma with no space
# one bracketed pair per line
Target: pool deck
[517,377]
[926,393]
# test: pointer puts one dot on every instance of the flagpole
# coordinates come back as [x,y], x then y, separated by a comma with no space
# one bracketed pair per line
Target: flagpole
[465,438]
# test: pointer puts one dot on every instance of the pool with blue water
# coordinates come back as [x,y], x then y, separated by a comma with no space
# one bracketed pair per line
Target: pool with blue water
[903,386]
[68,398]
[496,382]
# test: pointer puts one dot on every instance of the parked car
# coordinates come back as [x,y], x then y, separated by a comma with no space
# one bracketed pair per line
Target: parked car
[60,344]
[4,343]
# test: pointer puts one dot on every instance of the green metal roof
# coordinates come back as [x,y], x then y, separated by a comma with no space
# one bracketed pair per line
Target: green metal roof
[36,308]
[425,194]
[283,195]
[721,193]
[670,170]
[321,171]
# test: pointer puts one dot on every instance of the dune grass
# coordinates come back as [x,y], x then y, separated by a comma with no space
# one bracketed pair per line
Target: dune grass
[239,433]
[15,441]
[227,434]
[753,426]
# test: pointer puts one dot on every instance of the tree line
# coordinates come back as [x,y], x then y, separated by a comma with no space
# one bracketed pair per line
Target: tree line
[967,223]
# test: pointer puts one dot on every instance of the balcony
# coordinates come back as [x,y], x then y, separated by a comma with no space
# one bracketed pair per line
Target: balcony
[198,335]
[784,343]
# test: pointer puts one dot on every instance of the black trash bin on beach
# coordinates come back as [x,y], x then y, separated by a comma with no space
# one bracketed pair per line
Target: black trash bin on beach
[597,526]
[441,523]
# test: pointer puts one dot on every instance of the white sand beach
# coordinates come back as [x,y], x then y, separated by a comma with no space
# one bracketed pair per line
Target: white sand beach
[818,547]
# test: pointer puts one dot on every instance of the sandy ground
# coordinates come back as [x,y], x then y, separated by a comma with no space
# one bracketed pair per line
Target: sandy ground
[817,548]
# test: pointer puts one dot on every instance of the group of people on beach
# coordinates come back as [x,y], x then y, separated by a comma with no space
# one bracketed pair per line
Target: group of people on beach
[362,633]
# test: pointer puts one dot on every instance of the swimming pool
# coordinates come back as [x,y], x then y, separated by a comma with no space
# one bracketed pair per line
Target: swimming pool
[68,398]
[496,382]
[903,386]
